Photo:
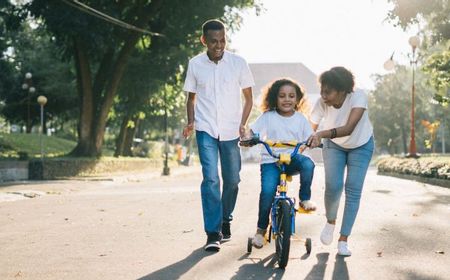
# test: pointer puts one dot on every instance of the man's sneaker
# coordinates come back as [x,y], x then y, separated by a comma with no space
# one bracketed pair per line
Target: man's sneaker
[343,249]
[258,239]
[226,232]
[213,242]
[327,234]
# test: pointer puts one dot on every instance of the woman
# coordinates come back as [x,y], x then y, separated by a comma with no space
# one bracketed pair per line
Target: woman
[347,136]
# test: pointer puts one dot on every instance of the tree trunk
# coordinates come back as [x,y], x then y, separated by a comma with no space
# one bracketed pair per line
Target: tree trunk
[119,68]
[130,136]
[84,86]
[405,147]
[120,141]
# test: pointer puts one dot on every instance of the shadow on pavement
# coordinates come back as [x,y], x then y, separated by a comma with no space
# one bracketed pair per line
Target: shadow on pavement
[176,270]
[340,271]
[259,270]
[318,270]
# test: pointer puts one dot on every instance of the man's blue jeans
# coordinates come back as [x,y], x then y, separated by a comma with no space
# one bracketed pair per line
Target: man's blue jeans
[218,208]
[270,179]
[336,159]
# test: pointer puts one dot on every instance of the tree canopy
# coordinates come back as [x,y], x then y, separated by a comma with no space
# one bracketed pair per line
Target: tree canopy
[101,51]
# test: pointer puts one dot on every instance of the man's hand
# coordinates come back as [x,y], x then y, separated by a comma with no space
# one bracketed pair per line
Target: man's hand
[188,129]
[242,131]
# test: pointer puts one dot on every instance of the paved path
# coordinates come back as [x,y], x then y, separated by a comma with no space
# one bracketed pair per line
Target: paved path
[149,227]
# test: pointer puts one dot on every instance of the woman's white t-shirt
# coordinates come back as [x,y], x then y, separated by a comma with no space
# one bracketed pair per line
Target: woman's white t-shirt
[336,117]
[272,126]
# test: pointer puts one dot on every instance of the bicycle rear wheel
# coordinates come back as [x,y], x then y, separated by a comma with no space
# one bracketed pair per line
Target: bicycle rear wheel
[283,237]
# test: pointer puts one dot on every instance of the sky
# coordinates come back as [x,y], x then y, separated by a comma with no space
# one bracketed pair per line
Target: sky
[322,34]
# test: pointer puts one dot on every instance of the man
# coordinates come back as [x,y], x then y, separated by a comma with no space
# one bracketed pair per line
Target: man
[214,82]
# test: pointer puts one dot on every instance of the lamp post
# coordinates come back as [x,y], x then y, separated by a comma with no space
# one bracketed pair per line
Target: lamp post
[42,100]
[414,42]
[28,86]
[166,169]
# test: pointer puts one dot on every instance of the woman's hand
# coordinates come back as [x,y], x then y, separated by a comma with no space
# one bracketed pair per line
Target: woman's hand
[314,140]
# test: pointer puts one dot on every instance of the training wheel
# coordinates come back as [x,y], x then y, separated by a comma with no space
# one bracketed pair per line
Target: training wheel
[249,245]
[308,245]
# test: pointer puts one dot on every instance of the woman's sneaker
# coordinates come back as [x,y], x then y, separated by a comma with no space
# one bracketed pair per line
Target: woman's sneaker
[308,205]
[343,249]
[327,234]
[258,239]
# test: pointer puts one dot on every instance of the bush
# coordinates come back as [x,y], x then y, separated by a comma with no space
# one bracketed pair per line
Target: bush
[427,166]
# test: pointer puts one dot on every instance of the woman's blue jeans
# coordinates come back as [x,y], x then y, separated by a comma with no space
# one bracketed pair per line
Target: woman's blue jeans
[217,207]
[270,179]
[336,159]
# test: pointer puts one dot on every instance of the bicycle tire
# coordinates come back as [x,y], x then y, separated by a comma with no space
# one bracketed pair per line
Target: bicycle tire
[283,237]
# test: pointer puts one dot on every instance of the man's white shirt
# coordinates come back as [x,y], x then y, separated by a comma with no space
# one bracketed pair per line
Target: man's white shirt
[218,106]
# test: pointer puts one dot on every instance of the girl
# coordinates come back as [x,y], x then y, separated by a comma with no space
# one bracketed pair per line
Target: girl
[348,144]
[280,121]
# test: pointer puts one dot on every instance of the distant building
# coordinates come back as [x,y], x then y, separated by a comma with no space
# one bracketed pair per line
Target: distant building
[264,73]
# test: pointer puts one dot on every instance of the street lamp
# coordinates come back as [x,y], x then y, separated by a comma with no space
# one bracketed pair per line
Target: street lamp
[42,100]
[166,169]
[414,42]
[28,86]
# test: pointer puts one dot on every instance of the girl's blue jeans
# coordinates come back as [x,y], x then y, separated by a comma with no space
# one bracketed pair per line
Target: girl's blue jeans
[336,159]
[217,207]
[270,179]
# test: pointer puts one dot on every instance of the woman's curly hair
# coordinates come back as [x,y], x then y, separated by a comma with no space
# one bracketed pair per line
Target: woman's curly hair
[338,78]
[270,95]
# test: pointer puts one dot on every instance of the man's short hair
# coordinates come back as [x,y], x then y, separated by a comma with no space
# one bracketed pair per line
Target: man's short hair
[212,24]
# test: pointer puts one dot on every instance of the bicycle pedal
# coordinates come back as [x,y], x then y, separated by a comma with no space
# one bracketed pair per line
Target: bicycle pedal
[304,211]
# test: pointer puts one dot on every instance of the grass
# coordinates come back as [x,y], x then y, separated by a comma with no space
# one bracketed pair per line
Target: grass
[18,145]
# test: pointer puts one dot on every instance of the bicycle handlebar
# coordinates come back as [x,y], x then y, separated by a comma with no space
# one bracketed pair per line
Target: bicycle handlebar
[278,144]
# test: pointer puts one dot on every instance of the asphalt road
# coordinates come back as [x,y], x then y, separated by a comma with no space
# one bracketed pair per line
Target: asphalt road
[144,226]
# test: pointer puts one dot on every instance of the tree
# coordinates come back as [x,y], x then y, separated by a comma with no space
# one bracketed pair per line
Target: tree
[32,50]
[101,50]
[435,15]
[390,109]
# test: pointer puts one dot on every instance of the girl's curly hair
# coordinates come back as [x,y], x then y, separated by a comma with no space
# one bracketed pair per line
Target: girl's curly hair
[270,94]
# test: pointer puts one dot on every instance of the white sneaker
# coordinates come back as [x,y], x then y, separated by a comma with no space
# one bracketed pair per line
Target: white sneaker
[308,205]
[327,234]
[343,249]
[258,239]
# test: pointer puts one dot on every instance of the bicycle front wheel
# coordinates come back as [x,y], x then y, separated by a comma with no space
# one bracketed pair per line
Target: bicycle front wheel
[283,237]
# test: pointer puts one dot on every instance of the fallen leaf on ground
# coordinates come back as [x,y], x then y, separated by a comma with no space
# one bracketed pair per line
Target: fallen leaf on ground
[379,254]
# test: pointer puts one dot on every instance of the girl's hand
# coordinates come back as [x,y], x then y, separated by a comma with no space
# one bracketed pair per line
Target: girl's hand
[314,140]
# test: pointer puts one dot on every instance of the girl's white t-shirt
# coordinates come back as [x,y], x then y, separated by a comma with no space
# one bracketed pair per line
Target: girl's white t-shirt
[336,117]
[272,126]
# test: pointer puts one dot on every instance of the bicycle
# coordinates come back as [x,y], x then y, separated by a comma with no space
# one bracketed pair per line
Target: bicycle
[283,211]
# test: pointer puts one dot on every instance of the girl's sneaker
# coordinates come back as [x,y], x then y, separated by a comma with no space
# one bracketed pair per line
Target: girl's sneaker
[343,249]
[327,234]
[308,205]
[258,239]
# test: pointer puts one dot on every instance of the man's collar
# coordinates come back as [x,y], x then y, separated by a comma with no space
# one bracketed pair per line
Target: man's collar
[225,57]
